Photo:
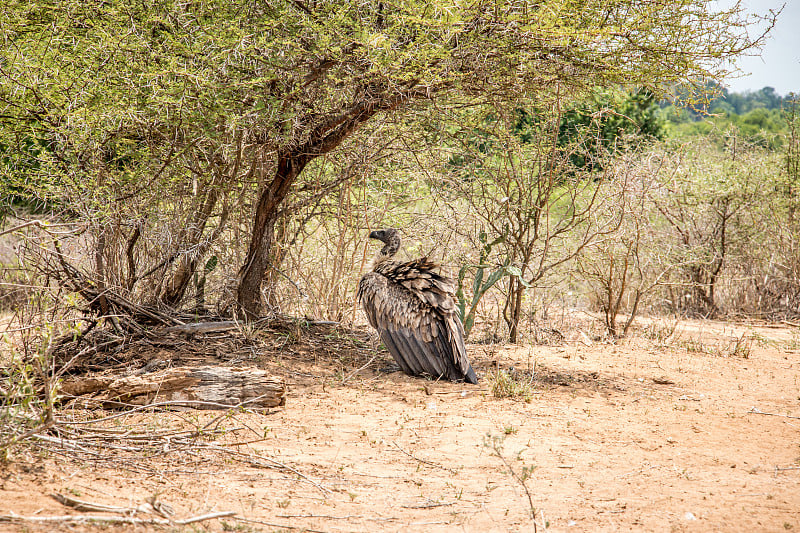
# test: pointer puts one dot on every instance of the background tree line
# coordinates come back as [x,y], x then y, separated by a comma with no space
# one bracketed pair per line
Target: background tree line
[759,115]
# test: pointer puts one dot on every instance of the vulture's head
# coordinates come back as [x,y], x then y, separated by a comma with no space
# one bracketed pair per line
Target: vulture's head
[390,238]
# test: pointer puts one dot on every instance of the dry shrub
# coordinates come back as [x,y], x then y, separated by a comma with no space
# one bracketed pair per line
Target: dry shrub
[734,346]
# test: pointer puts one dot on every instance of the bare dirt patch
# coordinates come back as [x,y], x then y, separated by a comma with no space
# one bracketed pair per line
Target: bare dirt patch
[667,431]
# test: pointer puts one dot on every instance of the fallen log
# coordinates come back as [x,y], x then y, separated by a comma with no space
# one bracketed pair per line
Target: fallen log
[206,387]
[203,327]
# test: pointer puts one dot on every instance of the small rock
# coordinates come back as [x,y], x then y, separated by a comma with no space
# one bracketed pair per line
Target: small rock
[689,516]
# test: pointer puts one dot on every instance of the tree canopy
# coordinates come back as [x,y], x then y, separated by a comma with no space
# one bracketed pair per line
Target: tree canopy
[102,102]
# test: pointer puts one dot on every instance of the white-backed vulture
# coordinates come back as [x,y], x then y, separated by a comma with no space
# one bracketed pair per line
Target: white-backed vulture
[413,309]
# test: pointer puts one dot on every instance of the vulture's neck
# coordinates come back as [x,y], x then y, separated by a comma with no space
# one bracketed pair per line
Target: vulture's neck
[386,254]
[379,259]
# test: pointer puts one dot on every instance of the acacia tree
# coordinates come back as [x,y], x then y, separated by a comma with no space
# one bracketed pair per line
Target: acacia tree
[240,95]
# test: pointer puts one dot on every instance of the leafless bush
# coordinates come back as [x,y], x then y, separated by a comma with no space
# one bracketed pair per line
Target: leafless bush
[774,272]
[694,235]
[623,268]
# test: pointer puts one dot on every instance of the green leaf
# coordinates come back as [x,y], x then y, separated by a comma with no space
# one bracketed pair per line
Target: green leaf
[211,264]
[517,273]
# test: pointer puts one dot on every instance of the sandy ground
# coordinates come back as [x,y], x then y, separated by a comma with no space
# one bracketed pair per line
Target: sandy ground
[667,431]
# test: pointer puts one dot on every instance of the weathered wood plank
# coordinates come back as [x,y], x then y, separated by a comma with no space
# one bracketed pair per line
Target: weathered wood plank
[218,387]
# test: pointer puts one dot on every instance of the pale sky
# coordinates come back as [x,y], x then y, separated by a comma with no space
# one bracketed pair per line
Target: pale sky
[779,64]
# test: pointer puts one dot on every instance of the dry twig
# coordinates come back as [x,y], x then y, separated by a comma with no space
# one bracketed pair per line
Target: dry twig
[757,411]
[423,461]
[113,519]
[271,463]
[81,505]
[429,505]
[280,526]
[356,371]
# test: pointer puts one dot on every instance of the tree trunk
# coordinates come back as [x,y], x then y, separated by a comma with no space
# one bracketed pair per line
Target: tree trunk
[514,309]
[277,254]
[100,270]
[611,320]
[193,240]
[632,315]
[251,274]
[290,163]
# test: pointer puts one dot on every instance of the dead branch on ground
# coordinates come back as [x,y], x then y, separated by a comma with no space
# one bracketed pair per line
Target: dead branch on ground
[205,387]
[81,519]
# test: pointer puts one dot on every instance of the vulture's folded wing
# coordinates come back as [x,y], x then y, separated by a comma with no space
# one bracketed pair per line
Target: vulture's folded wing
[422,333]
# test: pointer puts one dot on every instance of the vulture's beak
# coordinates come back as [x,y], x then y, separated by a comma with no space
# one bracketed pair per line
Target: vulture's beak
[376,235]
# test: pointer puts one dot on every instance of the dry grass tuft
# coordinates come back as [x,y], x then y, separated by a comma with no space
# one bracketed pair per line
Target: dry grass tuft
[510,384]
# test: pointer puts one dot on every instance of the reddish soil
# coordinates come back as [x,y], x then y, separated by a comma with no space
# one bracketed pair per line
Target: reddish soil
[658,433]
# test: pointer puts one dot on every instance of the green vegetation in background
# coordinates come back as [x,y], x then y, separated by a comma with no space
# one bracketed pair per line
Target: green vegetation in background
[758,116]
[717,99]
[605,122]
[609,121]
